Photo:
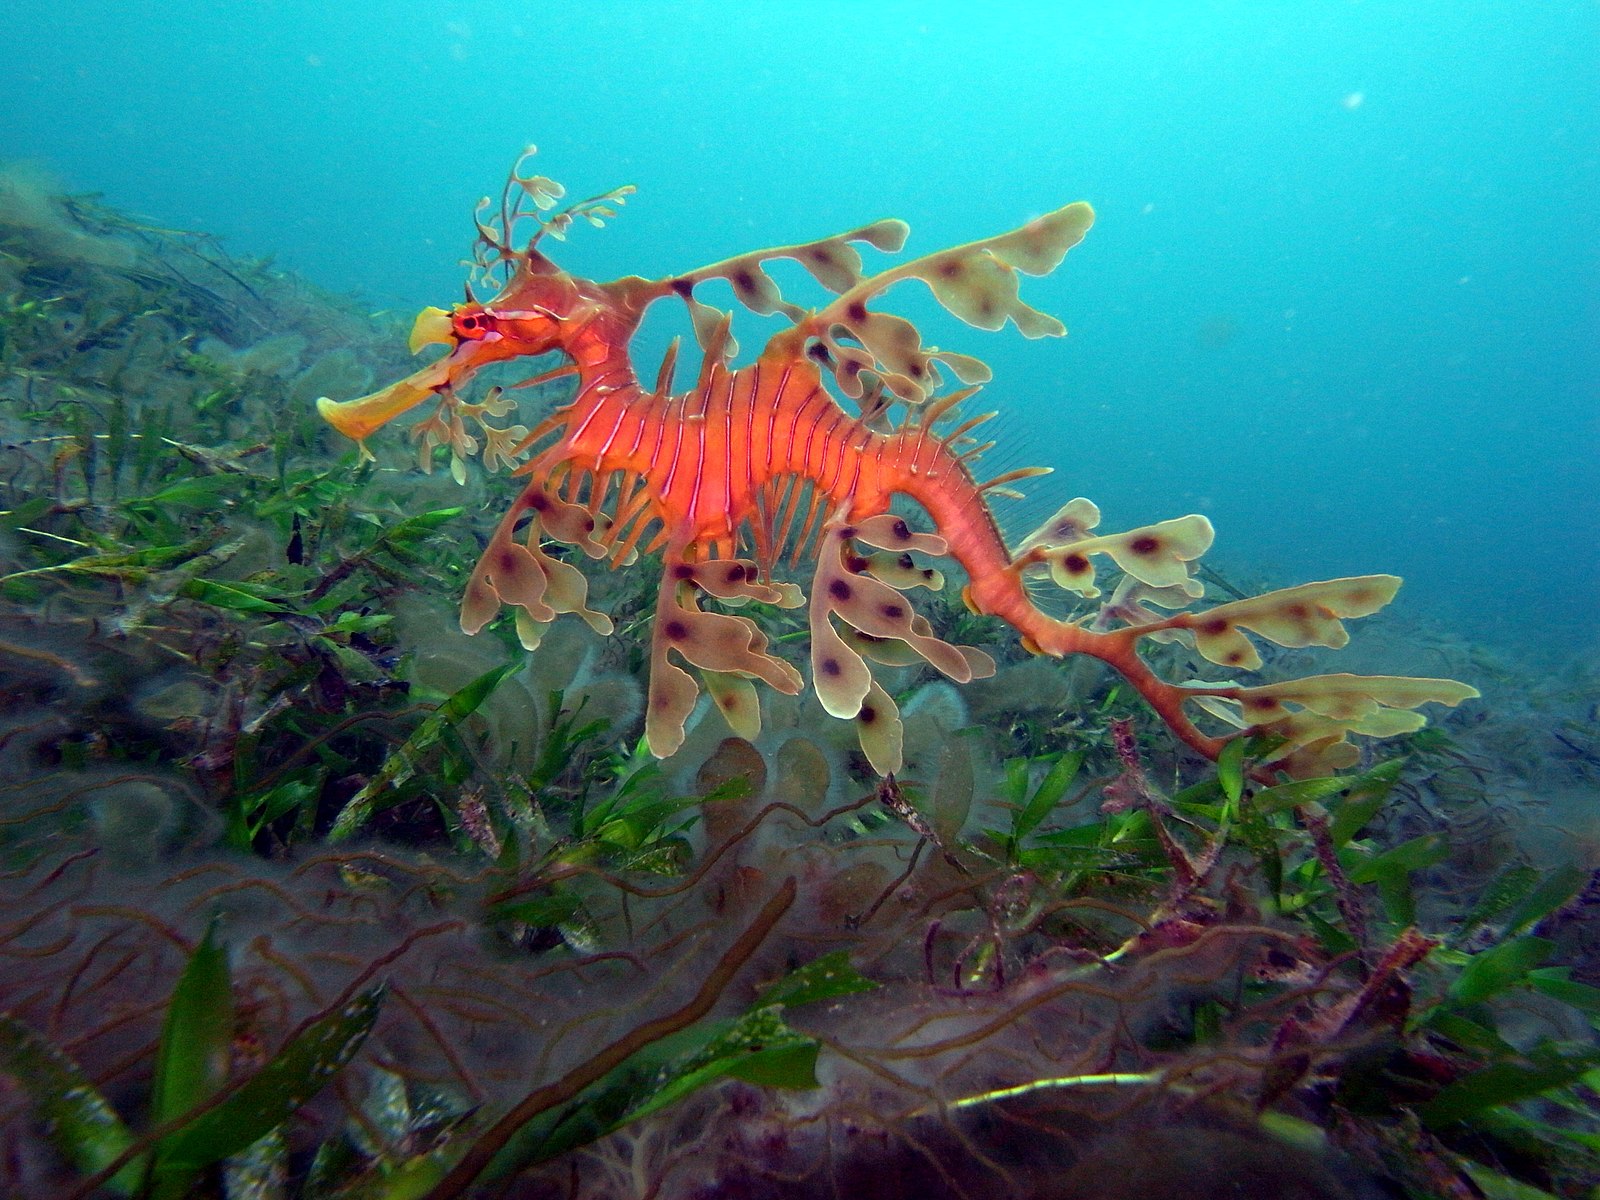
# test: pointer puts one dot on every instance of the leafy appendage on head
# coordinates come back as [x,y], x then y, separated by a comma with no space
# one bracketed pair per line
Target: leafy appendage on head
[498,250]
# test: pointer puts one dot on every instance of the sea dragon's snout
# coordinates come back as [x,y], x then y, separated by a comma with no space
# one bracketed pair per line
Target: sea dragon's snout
[360,418]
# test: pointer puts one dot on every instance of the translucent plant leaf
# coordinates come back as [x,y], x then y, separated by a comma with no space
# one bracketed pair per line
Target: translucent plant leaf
[1052,788]
[196,1051]
[82,1123]
[382,789]
[301,1069]
[823,978]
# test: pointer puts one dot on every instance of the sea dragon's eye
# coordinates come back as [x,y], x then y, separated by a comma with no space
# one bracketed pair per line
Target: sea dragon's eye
[472,326]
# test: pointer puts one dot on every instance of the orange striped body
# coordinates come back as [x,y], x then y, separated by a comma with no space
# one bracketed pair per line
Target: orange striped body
[718,460]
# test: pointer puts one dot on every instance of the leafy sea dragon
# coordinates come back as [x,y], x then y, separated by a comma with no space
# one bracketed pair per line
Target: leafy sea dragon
[752,461]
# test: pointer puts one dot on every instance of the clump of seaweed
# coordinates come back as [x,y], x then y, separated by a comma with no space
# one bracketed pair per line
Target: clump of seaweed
[305,897]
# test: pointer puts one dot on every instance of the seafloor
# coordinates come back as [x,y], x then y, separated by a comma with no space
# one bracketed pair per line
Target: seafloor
[304,893]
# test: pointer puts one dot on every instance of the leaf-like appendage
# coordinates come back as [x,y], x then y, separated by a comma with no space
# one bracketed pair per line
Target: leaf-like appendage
[729,650]
[1307,615]
[976,282]
[1158,555]
[880,625]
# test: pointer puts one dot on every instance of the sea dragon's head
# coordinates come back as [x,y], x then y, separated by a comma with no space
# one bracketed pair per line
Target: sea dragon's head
[540,307]
[538,311]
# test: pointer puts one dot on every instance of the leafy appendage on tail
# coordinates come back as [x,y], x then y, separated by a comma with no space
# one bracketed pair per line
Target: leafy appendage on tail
[1306,722]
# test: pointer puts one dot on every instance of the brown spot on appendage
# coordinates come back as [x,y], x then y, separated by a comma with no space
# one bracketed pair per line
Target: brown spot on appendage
[682,286]
[736,573]
[1262,703]
[1298,611]
[675,631]
[855,563]
[856,311]
[1234,658]
[950,268]
[683,571]
[893,611]
[839,590]
[848,531]
[916,370]
[538,501]
[905,562]
[744,281]
[867,715]
[1145,545]
[1077,564]
[507,562]
[1215,626]
[830,667]
[900,529]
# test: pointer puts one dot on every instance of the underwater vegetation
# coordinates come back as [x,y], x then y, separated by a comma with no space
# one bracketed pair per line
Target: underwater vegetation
[306,893]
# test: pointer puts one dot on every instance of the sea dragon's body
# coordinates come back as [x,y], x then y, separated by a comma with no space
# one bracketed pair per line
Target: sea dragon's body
[750,459]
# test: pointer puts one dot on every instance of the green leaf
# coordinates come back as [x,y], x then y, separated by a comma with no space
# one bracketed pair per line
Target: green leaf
[382,789]
[820,979]
[1514,883]
[758,1047]
[1230,772]
[1554,890]
[416,528]
[1351,816]
[294,1075]
[1286,796]
[200,491]
[229,596]
[1498,968]
[1553,982]
[1498,1186]
[248,815]
[1504,1083]
[465,702]
[540,912]
[196,1048]
[353,622]
[1414,855]
[1051,789]
[81,1123]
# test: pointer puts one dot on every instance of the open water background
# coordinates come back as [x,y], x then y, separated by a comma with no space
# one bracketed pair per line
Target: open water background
[1343,294]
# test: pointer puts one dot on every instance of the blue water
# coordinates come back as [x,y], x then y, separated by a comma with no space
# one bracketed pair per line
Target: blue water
[1343,294]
